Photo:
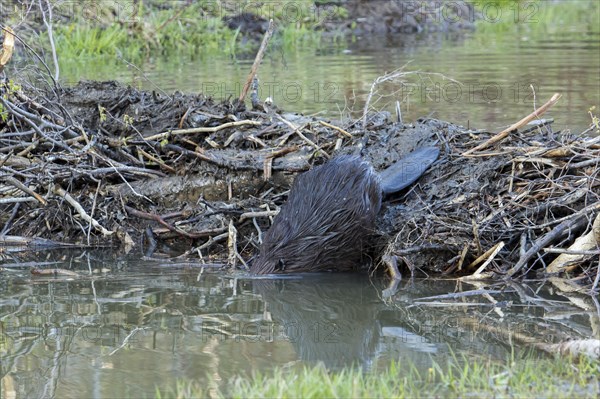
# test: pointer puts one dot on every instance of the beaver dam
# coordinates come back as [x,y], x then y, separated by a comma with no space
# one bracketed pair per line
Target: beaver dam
[102,164]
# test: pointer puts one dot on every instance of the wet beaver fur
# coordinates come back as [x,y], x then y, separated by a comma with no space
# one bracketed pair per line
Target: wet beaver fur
[330,214]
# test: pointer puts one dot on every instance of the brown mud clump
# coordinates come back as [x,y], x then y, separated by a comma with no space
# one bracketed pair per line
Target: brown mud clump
[105,164]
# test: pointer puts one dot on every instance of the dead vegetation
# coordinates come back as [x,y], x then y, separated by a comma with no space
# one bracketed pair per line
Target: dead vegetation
[509,209]
[101,163]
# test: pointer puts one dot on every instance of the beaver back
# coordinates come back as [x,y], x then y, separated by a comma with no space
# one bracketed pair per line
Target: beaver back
[326,222]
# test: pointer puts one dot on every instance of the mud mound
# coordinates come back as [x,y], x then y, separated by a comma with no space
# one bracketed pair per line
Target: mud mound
[102,163]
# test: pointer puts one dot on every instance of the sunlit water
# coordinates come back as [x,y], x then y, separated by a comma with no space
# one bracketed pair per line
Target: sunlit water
[487,80]
[133,326]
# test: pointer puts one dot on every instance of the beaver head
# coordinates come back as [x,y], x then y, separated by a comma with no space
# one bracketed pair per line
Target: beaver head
[326,222]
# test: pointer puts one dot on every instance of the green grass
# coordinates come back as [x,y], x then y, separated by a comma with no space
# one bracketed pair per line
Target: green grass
[86,41]
[541,17]
[173,28]
[158,33]
[163,28]
[556,378]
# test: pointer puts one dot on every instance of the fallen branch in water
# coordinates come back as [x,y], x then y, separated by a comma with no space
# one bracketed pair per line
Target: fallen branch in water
[54,272]
[550,237]
[576,252]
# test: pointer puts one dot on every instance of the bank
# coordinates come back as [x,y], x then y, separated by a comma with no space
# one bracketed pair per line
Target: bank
[515,378]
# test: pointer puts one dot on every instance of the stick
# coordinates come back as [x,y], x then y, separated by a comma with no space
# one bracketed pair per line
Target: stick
[497,249]
[93,209]
[232,245]
[550,237]
[503,134]
[39,57]
[251,215]
[257,61]
[159,219]
[48,23]
[16,183]
[296,129]
[214,129]
[61,192]
[486,255]
[54,272]
[339,129]
[578,250]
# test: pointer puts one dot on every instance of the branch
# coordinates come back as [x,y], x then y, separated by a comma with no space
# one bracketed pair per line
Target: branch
[257,61]
[503,134]
[61,192]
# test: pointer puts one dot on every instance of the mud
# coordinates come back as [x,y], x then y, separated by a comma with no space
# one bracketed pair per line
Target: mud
[125,158]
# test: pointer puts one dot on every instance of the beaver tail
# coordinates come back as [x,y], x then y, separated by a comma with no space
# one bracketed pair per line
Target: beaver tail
[407,170]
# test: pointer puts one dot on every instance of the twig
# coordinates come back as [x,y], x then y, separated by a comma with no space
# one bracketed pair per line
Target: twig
[503,134]
[458,304]
[126,340]
[268,162]
[482,257]
[17,200]
[32,242]
[212,240]
[39,57]
[61,192]
[456,295]
[44,122]
[15,183]
[48,23]
[257,61]
[296,129]
[156,160]
[93,209]
[249,215]
[8,223]
[258,230]
[214,129]
[54,272]
[578,250]
[571,252]
[232,244]
[339,129]
[597,279]
[143,74]
[550,237]
[497,249]
[160,220]
[22,115]
[396,74]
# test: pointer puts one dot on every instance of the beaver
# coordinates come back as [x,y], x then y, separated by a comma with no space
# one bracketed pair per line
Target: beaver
[329,216]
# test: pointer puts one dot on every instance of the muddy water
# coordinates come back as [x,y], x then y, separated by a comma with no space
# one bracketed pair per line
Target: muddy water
[493,72]
[137,325]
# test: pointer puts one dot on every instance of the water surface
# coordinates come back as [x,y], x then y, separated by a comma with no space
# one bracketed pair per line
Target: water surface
[134,325]
[486,79]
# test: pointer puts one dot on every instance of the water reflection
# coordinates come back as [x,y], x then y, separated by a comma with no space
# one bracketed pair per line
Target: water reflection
[123,332]
[326,318]
[481,80]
